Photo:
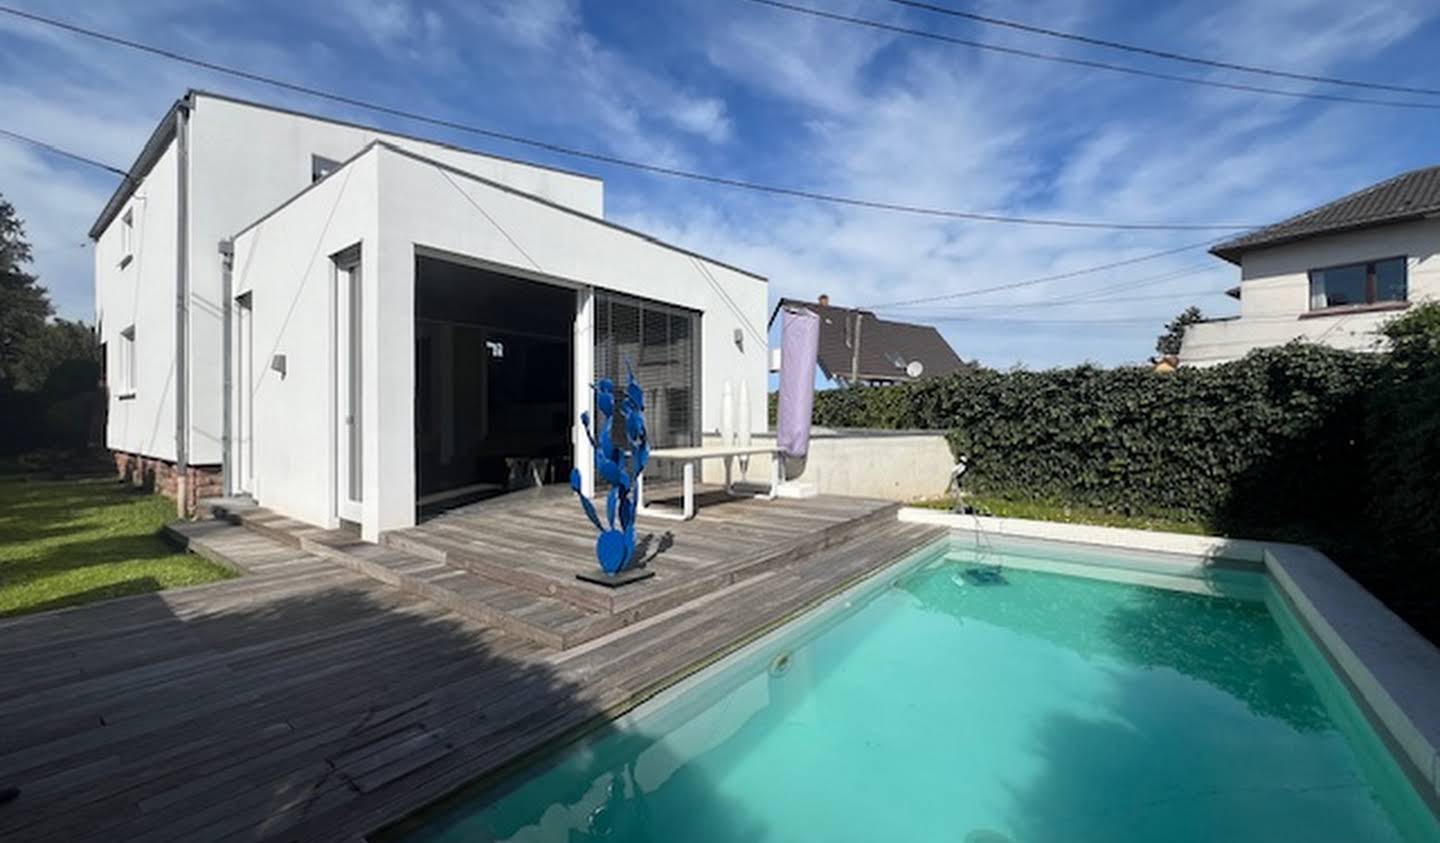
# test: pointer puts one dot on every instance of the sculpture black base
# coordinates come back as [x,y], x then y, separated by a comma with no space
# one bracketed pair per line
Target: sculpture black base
[625,577]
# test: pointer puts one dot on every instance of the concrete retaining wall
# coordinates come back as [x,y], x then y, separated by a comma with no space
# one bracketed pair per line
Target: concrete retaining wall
[896,465]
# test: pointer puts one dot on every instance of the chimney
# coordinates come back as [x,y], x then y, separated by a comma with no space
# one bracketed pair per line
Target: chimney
[824,300]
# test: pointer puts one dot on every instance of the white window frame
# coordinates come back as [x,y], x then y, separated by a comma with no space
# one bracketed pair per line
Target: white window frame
[1318,302]
[127,239]
[125,368]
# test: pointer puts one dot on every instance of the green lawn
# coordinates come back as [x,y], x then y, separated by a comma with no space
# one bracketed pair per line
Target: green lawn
[75,541]
[1042,511]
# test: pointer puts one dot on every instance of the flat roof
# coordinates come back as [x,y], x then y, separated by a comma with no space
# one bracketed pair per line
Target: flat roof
[390,147]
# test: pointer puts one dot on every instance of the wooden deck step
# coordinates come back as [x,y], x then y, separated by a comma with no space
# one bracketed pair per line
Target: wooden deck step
[543,620]
[514,568]
[538,618]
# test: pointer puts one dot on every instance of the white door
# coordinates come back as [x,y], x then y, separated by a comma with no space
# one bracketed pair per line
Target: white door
[350,427]
[245,395]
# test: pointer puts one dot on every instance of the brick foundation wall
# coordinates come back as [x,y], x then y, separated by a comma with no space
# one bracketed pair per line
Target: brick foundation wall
[160,476]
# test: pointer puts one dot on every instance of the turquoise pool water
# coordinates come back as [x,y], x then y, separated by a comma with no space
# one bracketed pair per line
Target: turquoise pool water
[1042,707]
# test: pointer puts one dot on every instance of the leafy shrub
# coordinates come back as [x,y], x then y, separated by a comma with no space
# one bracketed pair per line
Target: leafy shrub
[1130,440]
[1403,447]
[1300,442]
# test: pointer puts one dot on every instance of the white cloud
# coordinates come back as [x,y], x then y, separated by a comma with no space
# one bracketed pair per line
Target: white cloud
[905,121]
[763,94]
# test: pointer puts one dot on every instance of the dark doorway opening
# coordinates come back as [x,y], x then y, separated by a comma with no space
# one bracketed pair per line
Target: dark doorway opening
[494,371]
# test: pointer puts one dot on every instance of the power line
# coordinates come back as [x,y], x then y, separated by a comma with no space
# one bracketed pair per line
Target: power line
[1135,320]
[1164,54]
[1092,297]
[830,198]
[1094,65]
[1015,285]
[74,156]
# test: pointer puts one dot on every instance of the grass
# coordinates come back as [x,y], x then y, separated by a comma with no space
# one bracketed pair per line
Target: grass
[1069,514]
[66,542]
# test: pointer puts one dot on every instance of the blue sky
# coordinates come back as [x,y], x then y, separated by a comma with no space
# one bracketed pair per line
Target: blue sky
[736,89]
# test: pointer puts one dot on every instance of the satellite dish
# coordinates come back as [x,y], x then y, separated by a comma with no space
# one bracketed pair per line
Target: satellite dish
[915,368]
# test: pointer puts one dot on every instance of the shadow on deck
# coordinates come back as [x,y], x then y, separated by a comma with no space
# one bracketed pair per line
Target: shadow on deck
[305,701]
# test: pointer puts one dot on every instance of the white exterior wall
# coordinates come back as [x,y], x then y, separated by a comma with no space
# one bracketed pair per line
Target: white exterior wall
[285,264]
[898,466]
[424,206]
[244,161]
[1275,292]
[142,294]
[394,205]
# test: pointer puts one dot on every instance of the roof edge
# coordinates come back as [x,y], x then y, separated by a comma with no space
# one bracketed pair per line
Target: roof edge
[295,112]
[1230,253]
[255,223]
[150,153]
[441,165]
[1232,248]
[565,209]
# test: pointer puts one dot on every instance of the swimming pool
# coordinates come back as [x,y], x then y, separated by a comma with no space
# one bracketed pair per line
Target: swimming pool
[951,699]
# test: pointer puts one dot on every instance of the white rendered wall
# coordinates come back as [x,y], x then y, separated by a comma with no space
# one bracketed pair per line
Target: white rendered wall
[244,162]
[897,466]
[285,264]
[1275,291]
[425,206]
[396,204]
[142,294]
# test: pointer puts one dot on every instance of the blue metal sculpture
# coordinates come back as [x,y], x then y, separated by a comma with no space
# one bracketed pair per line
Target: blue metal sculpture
[619,463]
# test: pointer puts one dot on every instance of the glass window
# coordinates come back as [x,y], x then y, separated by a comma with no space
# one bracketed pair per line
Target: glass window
[661,343]
[126,363]
[1390,281]
[127,235]
[1358,283]
[320,167]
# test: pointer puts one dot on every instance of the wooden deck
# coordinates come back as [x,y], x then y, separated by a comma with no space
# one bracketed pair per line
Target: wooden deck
[311,701]
[511,562]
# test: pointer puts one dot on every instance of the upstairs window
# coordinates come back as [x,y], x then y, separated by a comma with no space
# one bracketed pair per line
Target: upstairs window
[1376,282]
[127,236]
[320,167]
[125,364]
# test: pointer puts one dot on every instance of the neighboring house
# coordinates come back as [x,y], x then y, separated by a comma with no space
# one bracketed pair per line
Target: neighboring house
[856,346]
[346,322]
[1331,275]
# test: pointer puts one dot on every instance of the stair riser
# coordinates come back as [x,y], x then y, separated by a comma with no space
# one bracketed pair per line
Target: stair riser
[578,595]
[436,594]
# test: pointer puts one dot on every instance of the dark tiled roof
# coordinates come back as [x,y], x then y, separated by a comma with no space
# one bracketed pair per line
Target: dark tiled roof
[886,347]
[1407,196]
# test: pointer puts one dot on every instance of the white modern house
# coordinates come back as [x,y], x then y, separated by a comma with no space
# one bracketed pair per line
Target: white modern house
[347,323]
[1333,275]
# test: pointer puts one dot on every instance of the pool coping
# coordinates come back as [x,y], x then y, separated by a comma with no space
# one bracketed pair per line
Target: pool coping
[1393,672]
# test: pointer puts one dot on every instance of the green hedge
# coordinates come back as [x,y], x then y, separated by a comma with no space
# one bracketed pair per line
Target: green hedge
[1133,441]
[1301,442]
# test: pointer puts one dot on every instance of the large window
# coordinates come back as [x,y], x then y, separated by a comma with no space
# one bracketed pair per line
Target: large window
[662,343]
[1377,282]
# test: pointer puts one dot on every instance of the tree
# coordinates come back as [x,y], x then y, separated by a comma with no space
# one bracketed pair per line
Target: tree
[60,359]
[24,306]
[1168,343]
